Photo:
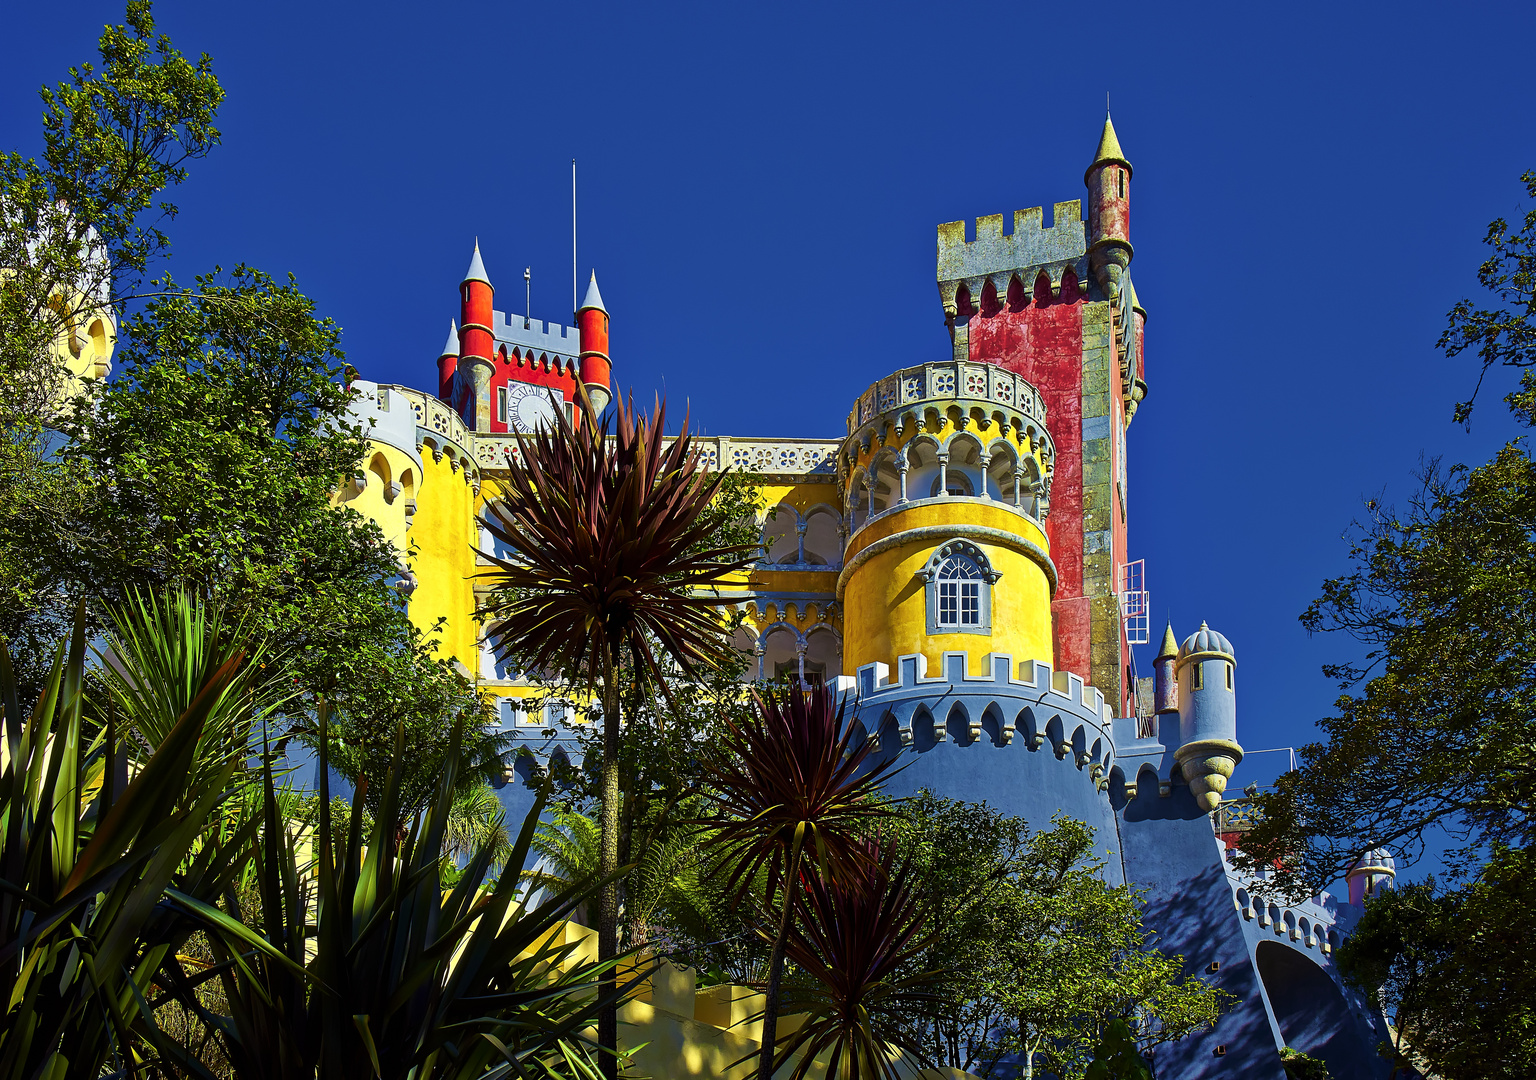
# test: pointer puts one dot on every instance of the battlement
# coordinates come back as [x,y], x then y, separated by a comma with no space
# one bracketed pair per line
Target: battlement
[540,336]
[1051,709]
[1030,244]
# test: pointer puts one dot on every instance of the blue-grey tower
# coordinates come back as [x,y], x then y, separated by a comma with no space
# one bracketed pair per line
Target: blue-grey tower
[1371,873]
[1208,750]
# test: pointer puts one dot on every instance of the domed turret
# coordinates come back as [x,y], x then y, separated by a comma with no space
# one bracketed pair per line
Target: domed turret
[1208,749]
[1371,873]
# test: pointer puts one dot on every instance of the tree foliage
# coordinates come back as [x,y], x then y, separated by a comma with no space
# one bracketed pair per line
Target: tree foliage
[1438,730]
[73,228]
[1452,967]
[1041,954]
[1503,333]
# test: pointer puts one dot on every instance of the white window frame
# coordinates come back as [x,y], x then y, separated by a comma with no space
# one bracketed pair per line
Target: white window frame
[959,605]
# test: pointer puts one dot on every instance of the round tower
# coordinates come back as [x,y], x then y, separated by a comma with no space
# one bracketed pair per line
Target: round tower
[592,320]
[477,342]
[1371,873]
[1165,683]
[1109,212]
[1207,702]
[448,363]
[944,472]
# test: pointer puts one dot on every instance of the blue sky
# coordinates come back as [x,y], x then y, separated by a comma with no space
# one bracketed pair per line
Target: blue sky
[760,187]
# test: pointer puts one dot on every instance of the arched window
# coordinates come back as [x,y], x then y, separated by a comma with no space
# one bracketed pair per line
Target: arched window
[959,586]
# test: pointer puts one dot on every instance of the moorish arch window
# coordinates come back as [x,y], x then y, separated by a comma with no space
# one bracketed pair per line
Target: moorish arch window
[959,580]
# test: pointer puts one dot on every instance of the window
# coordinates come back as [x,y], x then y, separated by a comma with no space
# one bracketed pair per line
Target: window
[959,586]
[1197,676]
[1229,675]
[501,404]
[959,592]
[1120,176]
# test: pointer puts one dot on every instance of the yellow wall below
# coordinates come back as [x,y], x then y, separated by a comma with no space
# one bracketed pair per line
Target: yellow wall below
[443,561]
[885,613]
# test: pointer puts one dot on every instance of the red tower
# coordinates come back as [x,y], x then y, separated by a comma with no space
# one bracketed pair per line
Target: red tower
[592,319]
[1055,305]
[477,345]
[512,374]
[448,363]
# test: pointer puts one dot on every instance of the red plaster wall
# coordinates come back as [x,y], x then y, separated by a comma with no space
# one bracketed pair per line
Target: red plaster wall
[1042,341]
[524,366]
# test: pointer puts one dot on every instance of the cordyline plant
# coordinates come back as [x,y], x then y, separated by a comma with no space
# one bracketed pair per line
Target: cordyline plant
[796,782]
[853,936]
[607,553]
[96,882]
[367,966]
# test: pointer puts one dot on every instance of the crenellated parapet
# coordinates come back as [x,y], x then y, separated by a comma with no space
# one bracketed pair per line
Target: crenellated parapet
[551,343]
[1044,709]
[996,262]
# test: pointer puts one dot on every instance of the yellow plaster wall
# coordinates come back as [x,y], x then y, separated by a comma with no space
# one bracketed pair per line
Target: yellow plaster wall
[443,561]
[885,611]
[382,465]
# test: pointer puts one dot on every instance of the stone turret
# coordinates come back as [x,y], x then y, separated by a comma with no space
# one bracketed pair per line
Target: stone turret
[1109,212]
[1208,750]
[1371,873]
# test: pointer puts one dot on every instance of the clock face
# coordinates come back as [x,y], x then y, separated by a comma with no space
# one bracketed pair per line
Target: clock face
[529,407]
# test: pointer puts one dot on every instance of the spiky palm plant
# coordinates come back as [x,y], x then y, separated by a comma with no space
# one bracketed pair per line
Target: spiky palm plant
[853,935]
[476,821]
[160,651]
[95,880]
[797,782]
[608,556]
[373,969]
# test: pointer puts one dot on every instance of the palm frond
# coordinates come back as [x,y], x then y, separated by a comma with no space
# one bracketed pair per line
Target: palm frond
[609,542]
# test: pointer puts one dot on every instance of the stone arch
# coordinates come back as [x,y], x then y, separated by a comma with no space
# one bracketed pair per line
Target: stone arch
[886,489]
[926,732]
[857,498]
[783,645]
[957,724]
[1056,737]
[780,536]
[1028,727]
[966,468]
[823,535]
[1311,1012]
[823,653]
[995,726]
[378,466]
[1002,466]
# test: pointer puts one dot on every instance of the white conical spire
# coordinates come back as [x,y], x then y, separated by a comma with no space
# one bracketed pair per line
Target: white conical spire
[594,298]
[476,271]
[451,348]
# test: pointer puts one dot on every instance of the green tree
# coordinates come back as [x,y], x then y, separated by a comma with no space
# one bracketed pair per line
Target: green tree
[73,234]
[1504,333]
[1041,954]
[209,463]
[1451,967]
[78,232]
[1436,734]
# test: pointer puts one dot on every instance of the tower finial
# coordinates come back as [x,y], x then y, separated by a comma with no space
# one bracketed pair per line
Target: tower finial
[1109,145]
[476,271]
